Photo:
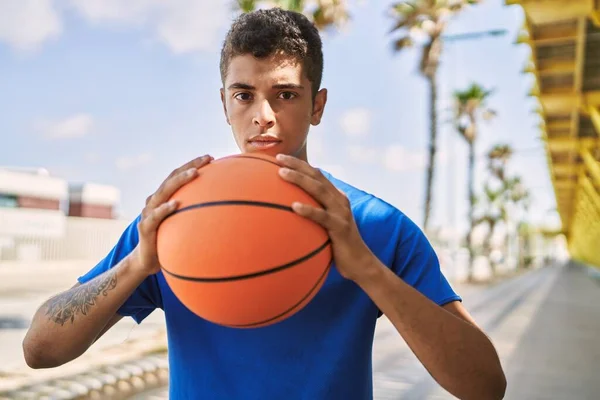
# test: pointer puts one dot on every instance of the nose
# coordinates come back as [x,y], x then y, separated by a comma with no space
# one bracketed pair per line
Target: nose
[264,116]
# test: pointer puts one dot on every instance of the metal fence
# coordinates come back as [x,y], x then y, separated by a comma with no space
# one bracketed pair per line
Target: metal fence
[40,235]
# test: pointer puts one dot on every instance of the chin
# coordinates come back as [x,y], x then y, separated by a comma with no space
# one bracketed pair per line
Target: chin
[272,150]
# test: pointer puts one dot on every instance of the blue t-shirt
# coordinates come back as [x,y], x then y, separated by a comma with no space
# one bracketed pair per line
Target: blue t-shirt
[324,351]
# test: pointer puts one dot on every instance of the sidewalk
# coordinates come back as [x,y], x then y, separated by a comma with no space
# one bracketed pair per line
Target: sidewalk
[23,288]
[558,356]
[544,324]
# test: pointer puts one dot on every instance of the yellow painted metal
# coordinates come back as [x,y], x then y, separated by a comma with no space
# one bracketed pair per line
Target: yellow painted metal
[560,144]
[591,165]
[550,26]
[594,112]
[596,18]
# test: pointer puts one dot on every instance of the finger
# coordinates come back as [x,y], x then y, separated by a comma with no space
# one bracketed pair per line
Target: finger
[195,163]
[299,165]
[150,223]
[317,189]
[318,215]
[170,186]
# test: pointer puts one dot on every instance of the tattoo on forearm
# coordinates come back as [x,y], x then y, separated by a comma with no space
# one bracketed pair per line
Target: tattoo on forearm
[66,306]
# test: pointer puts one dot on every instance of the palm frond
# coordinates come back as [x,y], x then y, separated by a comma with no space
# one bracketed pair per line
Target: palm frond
[402,43]
[246,6]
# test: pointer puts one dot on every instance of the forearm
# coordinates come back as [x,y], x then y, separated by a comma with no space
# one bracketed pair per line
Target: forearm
[67,324]
[457,354]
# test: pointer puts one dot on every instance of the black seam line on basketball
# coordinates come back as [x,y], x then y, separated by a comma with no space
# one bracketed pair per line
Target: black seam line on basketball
[323,275]
[254,274]
[233,203]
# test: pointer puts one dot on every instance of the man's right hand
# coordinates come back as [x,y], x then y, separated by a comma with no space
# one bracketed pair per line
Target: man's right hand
[158,207]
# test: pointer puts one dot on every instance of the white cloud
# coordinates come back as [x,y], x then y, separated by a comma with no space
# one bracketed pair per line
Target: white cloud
[92,158]
[183,25]
[128,162]
[398,158]
[116,11]
[356,121]
[27,24]
[192,25]
[362,154]
[336,170]
[75,126]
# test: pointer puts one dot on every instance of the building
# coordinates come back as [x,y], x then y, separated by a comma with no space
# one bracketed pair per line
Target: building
[564,38]
[28,188]
[43,217]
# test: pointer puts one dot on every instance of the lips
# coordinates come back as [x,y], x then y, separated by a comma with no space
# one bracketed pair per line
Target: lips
[263,143]
[264,139]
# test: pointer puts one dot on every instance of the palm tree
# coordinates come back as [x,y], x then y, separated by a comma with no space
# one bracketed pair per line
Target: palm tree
[498,193]
[498,157]
[323,13]
[521,198]
[470,107]
[427,18]
[493,212]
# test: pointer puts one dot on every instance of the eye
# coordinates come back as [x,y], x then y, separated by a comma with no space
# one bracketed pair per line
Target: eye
[287,95]
[243,96]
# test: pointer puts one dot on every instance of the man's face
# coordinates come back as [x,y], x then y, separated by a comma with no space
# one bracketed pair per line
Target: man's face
[268,103]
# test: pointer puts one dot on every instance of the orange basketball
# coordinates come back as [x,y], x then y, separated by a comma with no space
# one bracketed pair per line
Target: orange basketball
[234,252]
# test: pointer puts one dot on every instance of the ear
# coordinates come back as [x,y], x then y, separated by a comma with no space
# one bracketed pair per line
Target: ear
[318,107]
[224,102]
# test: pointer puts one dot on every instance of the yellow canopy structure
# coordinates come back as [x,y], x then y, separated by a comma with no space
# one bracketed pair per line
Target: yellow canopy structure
[564,36]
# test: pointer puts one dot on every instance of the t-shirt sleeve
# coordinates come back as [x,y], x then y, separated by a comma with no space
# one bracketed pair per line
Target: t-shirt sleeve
[417,264]
[146,297]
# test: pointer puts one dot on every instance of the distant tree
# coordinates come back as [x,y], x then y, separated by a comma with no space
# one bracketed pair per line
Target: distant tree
[428,19]
[470,107]
[323,13]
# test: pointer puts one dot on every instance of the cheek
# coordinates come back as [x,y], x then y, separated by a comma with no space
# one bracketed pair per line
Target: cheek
[236,115]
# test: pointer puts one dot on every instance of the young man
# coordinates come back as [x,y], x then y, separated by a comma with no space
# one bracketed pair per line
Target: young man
[271,67]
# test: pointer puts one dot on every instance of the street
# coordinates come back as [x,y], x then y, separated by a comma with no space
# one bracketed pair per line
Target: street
[543,323]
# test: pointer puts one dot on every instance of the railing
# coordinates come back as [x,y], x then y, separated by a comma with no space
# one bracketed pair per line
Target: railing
[41,235]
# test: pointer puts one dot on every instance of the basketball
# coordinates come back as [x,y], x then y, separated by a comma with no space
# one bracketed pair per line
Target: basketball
[234,252]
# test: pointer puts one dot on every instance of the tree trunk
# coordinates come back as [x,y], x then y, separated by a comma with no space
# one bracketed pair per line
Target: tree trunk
[432,147]
[471,183]
[488,247]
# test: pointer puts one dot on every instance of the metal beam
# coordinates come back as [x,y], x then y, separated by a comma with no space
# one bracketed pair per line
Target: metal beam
[562,144]
[591,165]
[595,16]
[595,117]
[552,67]
[565,169]
[591,191]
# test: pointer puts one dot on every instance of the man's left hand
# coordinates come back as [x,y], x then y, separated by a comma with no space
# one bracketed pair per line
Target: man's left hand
[352,256]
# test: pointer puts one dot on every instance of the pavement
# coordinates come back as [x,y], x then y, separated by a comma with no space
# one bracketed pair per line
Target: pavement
[23,288]
[544,324]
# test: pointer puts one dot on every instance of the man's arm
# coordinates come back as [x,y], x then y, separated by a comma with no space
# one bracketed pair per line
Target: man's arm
[457,354]
[66,325]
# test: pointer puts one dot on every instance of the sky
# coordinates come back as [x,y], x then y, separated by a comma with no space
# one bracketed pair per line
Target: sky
[123,92]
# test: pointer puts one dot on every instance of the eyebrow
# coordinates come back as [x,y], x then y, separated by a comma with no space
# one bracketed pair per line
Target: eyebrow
[245,86]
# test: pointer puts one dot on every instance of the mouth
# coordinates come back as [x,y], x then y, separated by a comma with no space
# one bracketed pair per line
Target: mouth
[263,141]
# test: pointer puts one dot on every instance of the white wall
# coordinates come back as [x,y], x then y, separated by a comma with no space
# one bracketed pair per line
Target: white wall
[50,236]
[32,185]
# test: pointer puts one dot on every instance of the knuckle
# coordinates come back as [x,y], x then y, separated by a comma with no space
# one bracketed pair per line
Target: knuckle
[143,227]
[321,189]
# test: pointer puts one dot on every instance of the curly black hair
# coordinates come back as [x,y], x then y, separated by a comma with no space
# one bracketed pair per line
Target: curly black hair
[265,32]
